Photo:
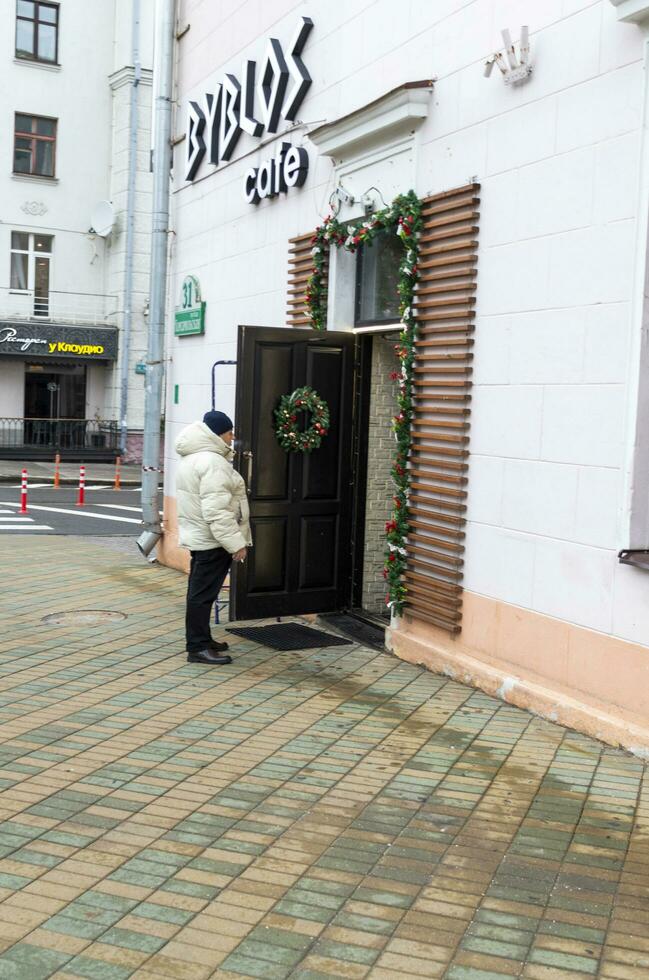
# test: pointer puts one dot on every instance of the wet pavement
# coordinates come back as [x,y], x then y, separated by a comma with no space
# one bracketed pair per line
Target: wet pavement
[328,813]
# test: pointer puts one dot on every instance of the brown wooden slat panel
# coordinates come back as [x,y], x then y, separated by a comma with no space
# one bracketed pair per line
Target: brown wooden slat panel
[455,547]
[439,259]
[444,307]
[300,276]
[462,201]
[430,317]
[457,216]
[471,187]
[443,604]
[306,237]
[300,270]
[447,287]
[434,586]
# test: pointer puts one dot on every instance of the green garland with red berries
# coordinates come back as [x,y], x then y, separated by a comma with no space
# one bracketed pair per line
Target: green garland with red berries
[286,416]
[403,218]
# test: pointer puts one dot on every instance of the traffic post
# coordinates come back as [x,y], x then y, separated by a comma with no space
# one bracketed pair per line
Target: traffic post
[118,478]
[23,493]
[81,499]
[57,471]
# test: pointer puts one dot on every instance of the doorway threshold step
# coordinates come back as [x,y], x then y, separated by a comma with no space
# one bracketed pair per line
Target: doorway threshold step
[357,629]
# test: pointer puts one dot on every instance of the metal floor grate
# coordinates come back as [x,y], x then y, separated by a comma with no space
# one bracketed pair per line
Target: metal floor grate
[289,636]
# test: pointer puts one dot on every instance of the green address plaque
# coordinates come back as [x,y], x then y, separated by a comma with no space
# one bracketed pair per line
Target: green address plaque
[189,319]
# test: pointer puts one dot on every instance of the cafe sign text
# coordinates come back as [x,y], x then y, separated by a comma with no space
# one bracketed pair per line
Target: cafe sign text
[256,104]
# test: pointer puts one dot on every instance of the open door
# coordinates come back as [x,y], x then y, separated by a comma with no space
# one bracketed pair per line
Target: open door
[301,504]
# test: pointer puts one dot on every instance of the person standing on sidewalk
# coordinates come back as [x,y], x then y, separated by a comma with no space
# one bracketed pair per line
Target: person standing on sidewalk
[213,522]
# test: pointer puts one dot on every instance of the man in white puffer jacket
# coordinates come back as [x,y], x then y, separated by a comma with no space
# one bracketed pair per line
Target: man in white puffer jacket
[213,522]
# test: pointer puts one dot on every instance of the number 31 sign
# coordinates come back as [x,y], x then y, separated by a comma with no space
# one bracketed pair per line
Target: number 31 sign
[190,315]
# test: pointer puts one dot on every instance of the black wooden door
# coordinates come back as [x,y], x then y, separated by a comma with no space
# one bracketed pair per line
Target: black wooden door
[300,504]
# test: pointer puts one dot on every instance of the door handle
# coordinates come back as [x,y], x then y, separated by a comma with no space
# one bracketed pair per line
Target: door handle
[248,456]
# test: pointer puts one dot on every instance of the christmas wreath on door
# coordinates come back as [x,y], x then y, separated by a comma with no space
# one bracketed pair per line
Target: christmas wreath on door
[289,435]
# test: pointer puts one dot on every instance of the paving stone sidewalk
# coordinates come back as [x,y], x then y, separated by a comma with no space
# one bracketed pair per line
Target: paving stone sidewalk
[331,813]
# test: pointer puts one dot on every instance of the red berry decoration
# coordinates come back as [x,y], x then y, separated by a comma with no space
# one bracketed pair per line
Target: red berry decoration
[286,417]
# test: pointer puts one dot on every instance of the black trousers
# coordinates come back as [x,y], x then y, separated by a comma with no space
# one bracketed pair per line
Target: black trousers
[206,576]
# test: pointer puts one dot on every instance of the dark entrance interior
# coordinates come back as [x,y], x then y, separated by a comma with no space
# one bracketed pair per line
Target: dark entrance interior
[55,406]
[55,393]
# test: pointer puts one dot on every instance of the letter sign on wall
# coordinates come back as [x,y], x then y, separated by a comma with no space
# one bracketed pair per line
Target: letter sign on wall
[215,124]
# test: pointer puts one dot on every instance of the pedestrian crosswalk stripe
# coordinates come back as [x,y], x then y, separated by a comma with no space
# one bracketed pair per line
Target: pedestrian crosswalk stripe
[25,527]
[137,510]
[77,513]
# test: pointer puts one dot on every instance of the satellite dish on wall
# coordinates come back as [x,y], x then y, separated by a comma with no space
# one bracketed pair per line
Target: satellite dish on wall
[102,219]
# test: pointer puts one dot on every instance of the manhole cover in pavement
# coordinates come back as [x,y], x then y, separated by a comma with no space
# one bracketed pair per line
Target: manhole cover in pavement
[83,617]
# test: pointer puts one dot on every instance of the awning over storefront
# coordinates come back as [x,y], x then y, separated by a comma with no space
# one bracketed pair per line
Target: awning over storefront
[45,341]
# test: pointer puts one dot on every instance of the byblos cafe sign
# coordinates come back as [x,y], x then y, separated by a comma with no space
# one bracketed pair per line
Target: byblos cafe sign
[215,124]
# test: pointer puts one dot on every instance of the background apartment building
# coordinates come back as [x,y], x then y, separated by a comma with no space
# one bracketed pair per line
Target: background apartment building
[74,76]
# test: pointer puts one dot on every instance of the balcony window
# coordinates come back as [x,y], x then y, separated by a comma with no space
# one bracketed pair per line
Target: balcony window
[377,280]
[31,257]
[37,31]
[34,145]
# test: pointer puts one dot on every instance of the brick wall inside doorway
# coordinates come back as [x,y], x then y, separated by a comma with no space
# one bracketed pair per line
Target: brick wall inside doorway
[380,452]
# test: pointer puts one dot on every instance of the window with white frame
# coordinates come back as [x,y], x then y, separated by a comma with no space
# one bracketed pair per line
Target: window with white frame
[31,257]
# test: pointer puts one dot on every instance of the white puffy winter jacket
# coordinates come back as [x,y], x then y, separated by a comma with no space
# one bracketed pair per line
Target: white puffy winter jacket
[212,503]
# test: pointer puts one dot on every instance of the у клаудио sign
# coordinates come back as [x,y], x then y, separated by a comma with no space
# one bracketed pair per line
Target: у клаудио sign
[57,341]
[189,319]
[215,124]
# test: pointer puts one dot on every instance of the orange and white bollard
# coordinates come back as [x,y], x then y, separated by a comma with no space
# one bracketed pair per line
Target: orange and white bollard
[57,471]
[23,493]
[118,475]
[81,499]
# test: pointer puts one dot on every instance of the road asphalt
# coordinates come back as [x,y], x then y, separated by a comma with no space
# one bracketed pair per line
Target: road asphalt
[41,471]
[55,511]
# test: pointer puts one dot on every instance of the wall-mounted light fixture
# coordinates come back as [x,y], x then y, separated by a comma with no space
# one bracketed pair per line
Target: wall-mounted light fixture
[513,68]
[343,196]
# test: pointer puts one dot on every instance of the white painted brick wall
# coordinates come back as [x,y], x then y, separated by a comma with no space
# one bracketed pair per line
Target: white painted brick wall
[558,161]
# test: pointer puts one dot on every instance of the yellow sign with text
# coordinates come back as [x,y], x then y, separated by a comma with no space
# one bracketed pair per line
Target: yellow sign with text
[60,347]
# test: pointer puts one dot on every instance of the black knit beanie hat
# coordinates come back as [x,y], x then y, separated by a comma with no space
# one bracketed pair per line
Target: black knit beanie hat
[218,422]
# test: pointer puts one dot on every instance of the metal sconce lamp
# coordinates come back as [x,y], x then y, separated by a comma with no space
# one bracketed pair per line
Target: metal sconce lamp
[339,197]
[513,69]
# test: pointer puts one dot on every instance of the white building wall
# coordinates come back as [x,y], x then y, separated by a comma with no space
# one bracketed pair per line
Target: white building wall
[558,161]
[77,94]
[89,94]
[12,389]
[95,391]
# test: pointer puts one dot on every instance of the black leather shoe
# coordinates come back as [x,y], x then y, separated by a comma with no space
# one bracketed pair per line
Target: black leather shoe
[207,657]
[217,647]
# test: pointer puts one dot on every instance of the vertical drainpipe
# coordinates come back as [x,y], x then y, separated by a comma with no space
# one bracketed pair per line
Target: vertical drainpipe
[130,230]
[162,92]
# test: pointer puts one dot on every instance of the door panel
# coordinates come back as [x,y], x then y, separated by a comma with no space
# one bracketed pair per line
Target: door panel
[300,504]
[322,470]
[318,560]
[268,557]
[274,366]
